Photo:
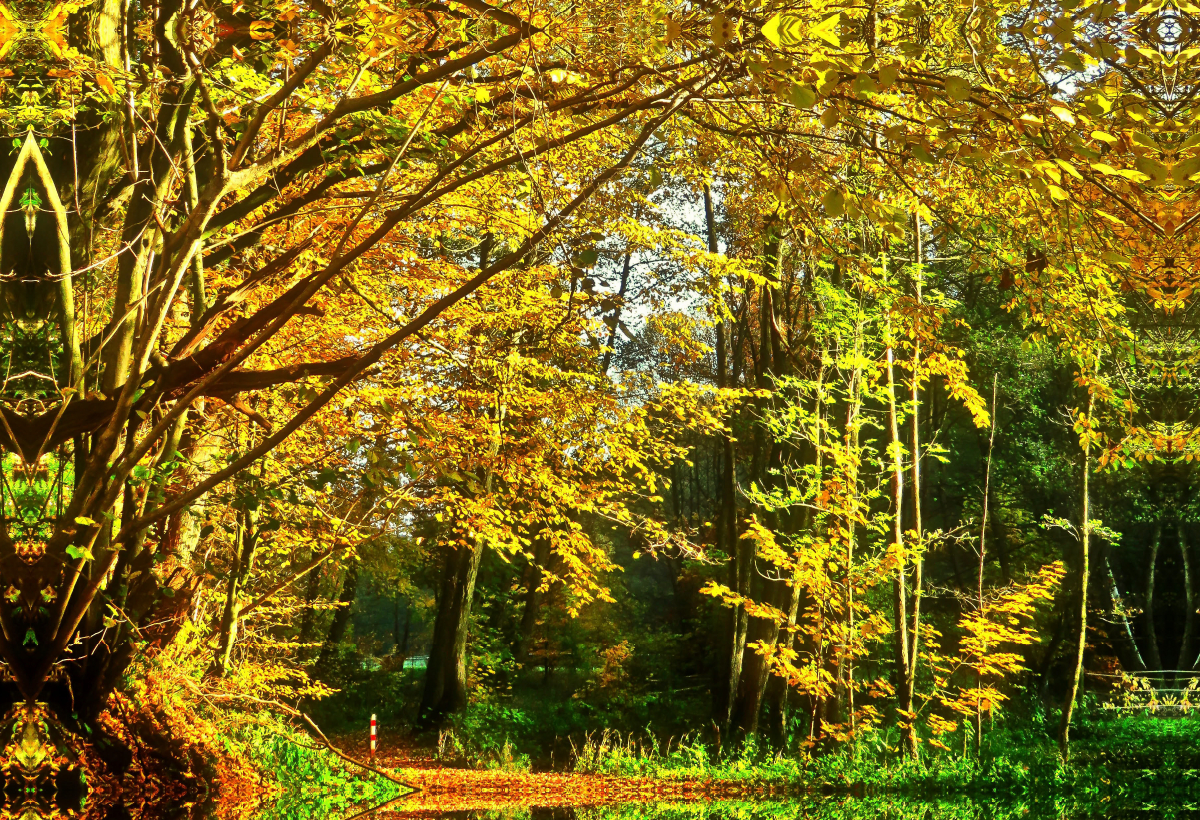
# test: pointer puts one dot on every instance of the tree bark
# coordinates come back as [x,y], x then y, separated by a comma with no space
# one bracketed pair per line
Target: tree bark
[902,670]
[242,564]
[341,617]
[987,492]
[445,689]
[1187,652]
[308,620]
[844,677]
[400,634]
[778,687]
[918,532]
[1126,644]
[534,594]
[772,363]
[611,347]
[756,667]
[1152,653]
[1064,727]
[734,621]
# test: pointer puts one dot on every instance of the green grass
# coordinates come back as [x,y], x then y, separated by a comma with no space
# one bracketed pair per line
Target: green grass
[312,783]
[1144,761]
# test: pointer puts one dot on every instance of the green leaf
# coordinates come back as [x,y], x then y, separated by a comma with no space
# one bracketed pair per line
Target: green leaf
[958,88]
[834,202]
[586,259]
[804,96]
[80,552]
[922,153]
[864,85]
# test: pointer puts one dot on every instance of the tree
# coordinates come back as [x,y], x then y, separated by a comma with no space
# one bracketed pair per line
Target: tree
[216,248]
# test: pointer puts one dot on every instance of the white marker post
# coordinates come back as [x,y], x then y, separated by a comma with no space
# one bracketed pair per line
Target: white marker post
[372,739]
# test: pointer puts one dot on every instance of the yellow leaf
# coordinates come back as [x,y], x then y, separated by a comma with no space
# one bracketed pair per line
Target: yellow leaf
[770,30]
[1063,114]
[827,30]
[1068,167]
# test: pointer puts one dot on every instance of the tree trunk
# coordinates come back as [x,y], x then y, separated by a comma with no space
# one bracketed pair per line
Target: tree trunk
[756,667]
[611,347]
[1064,727]
[778,687]
[914,639]
[242,564]
[445,689]
[772,363]
[308,620]
[987,492]
[400,635]
[341,617]
[1124,641]
[902,671]
[1046,665]
[734,621]
[845,660]
[1187,652]
[1152,653]
[527,629]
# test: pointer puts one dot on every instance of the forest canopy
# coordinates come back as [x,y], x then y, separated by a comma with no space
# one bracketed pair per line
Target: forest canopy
[830,362]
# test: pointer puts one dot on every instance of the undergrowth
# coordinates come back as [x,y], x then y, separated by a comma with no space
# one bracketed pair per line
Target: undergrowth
[240,725]
[1114,756]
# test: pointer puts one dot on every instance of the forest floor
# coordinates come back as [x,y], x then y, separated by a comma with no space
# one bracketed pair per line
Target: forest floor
[451,790]
[445,788]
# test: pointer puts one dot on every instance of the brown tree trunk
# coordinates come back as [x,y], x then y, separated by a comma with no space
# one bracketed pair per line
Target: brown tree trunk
[1045,667]
[1152,653]
[772,363]
[341,617]
[778,687]
[987,494]
[527,629]
[914,639]
[756,668]
[734,621]
[242,564]
[400,636]
[610,348]
[1123,640]
[1187,652]
[308,620]
[902,670]
[445,689]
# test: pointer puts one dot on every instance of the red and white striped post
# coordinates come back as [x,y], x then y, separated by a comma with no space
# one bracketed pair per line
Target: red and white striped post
[372,738]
